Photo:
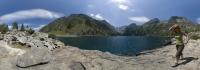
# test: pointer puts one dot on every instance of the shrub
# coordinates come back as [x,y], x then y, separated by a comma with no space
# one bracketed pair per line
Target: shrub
[30,31]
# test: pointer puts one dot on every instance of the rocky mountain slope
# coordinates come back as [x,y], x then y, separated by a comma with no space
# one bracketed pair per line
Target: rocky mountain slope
[156,27]
[22,51]
[79,24]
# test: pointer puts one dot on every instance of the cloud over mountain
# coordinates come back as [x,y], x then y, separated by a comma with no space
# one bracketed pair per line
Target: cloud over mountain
[30,14]
[139,19]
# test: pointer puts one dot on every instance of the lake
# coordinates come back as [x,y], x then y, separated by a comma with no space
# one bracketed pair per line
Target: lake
[119,45]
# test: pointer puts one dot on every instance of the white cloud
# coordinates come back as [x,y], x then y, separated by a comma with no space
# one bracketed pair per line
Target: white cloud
[120,1]
[198,20]
[10,27]
[38,28]
[30,14]
[140,19]
[97,16]
[92,15]
[122,4]
[91,6]
[123,7]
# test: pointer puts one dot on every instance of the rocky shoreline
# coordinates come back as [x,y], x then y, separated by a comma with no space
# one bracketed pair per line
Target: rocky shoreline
[24,51]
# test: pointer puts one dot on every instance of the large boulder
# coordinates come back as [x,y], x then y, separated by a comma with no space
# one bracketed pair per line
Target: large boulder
[34,57]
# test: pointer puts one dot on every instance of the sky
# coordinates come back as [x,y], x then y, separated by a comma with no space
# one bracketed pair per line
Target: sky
[38,13]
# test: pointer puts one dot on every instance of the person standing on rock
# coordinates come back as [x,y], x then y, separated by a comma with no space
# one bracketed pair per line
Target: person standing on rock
[179,42]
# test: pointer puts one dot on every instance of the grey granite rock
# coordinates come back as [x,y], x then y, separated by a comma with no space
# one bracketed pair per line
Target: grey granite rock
[77,66]
[50,54]
[34,57]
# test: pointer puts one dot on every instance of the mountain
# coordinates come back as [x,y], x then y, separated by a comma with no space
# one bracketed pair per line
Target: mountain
[133,29]
[155,27]
[79,24]
[121,29]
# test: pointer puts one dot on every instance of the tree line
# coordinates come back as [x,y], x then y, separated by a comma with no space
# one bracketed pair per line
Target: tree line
[4,28]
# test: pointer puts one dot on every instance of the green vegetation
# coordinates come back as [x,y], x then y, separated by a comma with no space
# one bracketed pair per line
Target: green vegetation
[15,25]
[79,24]
[22,28]
[30,31]
[3,28]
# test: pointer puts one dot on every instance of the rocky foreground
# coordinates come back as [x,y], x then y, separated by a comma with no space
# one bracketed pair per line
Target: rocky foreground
[24,51]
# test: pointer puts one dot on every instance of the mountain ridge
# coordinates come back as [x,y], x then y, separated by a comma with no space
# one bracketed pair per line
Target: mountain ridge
[79,24]
[155,27]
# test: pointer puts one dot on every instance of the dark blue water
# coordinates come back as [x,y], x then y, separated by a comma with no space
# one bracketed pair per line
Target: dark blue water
[119,45]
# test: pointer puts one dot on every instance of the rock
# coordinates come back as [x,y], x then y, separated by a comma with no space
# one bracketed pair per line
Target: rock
[50,54]
[22,40]
[41,39]
[34,57]
[41,35]
[1,36]
[3,52]
[77,66]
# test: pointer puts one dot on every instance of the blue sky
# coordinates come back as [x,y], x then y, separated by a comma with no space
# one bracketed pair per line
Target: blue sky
[37,13]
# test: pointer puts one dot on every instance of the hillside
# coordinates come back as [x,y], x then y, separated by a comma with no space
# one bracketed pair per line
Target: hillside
[79,24]
[155,27]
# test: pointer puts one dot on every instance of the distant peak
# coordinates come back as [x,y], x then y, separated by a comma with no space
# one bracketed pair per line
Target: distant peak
[155,20]
[133,24]
[178,19]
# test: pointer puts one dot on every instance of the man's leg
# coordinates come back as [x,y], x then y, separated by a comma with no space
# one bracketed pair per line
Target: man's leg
[176,60]
[179,52]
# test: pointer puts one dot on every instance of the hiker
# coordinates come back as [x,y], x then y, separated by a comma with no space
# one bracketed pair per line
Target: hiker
[179,42]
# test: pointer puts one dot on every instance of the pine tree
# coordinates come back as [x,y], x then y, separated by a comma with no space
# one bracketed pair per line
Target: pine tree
[7,28]
[3,28]
[15,25]
[22,28]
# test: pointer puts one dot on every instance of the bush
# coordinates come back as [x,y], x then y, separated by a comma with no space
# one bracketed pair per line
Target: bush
[3,28]
[30,31]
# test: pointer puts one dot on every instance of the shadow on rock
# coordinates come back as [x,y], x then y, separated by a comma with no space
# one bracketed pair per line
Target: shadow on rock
[186,60]
[42,63]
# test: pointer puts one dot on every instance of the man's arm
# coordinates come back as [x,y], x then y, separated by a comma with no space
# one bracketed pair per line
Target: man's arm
[186,35]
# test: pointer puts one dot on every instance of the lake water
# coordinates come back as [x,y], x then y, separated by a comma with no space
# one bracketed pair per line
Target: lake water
[119,45]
